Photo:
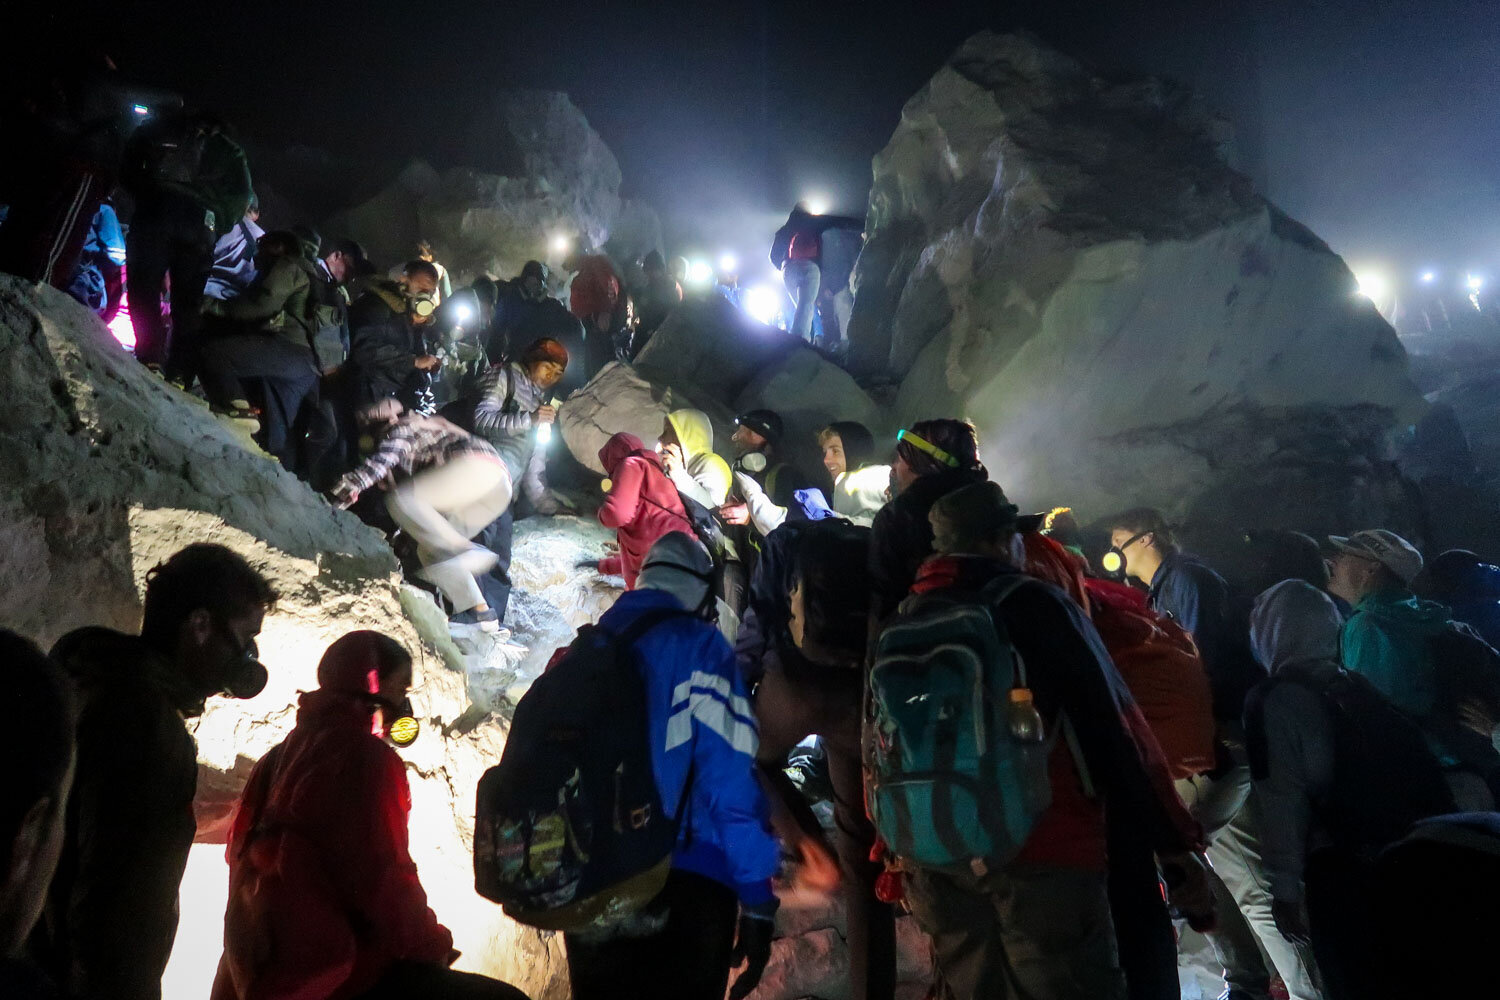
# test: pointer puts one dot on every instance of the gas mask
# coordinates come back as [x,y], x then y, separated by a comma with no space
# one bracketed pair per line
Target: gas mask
[1113,561]
[752,462]
[243,676]
[421,304]
[402,730]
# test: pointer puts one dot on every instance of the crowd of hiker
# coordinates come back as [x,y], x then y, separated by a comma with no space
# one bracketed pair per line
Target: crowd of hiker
[1055,743]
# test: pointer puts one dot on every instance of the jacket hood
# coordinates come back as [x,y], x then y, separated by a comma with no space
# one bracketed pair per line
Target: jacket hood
[617,449]
[1405,612]
[965,572]
[925,491]
[679,565]
[694,432]
[1294,622]
[858,442]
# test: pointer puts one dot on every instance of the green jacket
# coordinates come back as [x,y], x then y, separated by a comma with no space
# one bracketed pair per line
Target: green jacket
[1387,640]
[276,303]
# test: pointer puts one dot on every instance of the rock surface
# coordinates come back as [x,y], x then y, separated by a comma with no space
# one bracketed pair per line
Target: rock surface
[1072,264]
[706,355]
[535,171]
[108,472]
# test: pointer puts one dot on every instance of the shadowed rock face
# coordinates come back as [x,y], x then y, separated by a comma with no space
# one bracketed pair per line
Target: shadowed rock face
[1072,264]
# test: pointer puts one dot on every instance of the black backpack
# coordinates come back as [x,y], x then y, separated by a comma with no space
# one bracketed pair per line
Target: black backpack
[569,831]
[1385,776]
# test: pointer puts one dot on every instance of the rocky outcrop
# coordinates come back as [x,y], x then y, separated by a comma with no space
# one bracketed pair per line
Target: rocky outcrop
[534,171]
[1072,264]
[108,471]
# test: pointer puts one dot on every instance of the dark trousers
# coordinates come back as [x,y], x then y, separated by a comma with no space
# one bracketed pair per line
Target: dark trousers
[687,959]
[792,705]
[497,536]
[409,980]
[284,368]
[736,586]
[1341,905]
[168,238]
[1143,926]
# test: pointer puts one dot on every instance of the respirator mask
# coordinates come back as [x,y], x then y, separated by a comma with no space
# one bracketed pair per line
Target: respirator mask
[421,304]
[754,463]
[244,676]
[401,727]
[1113,561]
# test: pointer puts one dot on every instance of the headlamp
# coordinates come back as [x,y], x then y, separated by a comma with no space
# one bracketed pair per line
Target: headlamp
[922,444]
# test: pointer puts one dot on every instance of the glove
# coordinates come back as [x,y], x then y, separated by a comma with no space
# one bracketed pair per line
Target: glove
[752,947]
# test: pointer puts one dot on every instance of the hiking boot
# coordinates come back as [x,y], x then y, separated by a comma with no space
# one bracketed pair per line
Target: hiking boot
[240,416]
[487,620]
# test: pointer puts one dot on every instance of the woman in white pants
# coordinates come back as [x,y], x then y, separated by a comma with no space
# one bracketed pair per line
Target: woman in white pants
[444,486]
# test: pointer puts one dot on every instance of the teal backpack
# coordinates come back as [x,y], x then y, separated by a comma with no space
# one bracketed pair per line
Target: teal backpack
[948,784]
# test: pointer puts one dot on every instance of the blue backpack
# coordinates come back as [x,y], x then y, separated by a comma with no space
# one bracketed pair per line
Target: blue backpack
[948,785]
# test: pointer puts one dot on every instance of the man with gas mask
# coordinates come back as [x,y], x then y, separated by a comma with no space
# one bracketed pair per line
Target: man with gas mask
[323,897]
[111,913]
[388,352]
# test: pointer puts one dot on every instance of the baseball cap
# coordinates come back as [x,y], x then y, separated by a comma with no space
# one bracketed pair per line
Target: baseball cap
[1385,547]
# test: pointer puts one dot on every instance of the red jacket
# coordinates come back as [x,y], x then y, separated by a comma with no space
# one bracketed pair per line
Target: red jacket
[595,289]
[642,505]
[318,849]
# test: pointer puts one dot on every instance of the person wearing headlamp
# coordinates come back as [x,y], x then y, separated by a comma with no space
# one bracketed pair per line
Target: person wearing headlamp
[933,458]
[111,913]
[324,899]
[388,356]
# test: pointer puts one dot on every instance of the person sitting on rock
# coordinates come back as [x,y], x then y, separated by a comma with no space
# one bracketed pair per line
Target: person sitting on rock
[703,742]
[859,482]
[388,357]
[513,406]
[274,318]
[687,455]
[642,505]
[324,899]
[111,913]
[444,485]
[41,727]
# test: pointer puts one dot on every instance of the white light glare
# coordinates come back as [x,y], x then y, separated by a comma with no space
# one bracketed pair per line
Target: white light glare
[1371,285]
[140,110]
[729,263]
[1475,282]
[699,273]
[763,302]
[1428,277]
[560,243]
[816,204]
[462,312]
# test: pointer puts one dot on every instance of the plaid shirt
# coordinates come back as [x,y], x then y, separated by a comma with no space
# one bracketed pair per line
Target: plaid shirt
[413,444]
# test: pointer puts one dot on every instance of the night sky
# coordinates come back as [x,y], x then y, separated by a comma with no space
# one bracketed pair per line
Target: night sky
[1375,122]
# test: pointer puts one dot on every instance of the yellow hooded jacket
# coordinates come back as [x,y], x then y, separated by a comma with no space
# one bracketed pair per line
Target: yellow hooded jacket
[705,476]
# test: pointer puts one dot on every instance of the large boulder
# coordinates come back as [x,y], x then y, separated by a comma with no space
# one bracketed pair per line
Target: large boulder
[1072,264]
[109,471]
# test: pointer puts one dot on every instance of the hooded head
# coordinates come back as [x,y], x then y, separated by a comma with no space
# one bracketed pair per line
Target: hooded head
[616,449]
[857,441]
[1294,622]
[679,565]
[694,431]
[370,667]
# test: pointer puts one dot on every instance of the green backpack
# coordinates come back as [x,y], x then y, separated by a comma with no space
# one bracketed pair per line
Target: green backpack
[948,784]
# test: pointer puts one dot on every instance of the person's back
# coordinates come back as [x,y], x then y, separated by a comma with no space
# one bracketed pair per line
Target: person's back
[642,504]
[1387,641]
[234,260]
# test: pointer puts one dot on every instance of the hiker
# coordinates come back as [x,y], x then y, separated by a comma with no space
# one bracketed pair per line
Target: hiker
[111,913]
[324,899]
[642,504]
[764,480]
[808,665]
[1016,907]
[33,812]
[1468,586]
[444,485]
[1187,590]
[687,455]
[933,458]
[860,483]
[388,356]
[1339,775]
[718,907]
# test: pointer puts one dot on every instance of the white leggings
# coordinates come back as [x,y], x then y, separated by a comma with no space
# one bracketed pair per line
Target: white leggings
[442,508]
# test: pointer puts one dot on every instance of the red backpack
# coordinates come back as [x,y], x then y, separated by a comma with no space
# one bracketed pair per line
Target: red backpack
[1162,668]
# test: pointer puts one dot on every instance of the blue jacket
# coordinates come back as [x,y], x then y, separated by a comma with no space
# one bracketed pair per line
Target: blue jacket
[1195,596]
[702,727]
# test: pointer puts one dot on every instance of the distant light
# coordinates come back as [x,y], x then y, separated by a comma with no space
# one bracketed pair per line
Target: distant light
[462,312]
[699,272]
[729,263]
[763,302]
[140,110]
[816,204]
[1428,277]
[1372,285]
[1475,282]
[560,243]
